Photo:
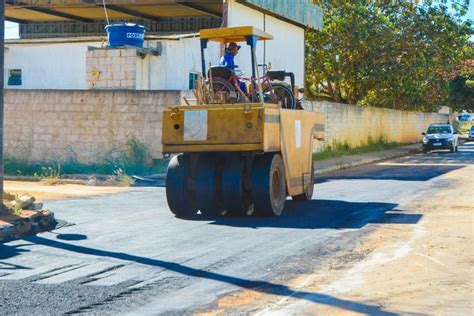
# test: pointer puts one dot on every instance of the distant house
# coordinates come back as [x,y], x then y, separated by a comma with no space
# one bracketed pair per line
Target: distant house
[58,43]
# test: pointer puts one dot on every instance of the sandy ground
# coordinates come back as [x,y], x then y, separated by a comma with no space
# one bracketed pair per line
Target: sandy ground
[44,192]
[427,268]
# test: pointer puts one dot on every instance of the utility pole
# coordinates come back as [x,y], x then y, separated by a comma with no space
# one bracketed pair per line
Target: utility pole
[2,52]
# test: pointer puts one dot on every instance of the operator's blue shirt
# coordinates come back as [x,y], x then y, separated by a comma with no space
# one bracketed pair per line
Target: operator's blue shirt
[228,61]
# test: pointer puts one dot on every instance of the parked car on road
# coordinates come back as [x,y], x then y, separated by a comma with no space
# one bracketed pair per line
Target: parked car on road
[471,133]
[466,117]
[440,136]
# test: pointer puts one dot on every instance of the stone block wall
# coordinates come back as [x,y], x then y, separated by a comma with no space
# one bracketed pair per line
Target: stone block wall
[86,125]
[89,125]
[111,68]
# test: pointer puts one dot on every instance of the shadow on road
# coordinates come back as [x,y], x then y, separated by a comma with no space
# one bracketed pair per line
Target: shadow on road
[320,214]
[9,252]
[260,286]
[74,237]
[397,172]
[422,167]
[11,266]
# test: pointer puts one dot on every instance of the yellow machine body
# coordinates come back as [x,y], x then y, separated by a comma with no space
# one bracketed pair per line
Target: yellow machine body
[250,127]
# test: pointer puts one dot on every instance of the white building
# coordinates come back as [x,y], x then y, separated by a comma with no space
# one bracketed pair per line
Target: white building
[73,63]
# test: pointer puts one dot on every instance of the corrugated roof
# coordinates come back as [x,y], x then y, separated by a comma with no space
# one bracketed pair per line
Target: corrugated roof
[301,12]
[24,11]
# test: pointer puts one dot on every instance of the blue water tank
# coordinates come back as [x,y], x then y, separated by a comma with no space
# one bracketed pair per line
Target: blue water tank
[121,34]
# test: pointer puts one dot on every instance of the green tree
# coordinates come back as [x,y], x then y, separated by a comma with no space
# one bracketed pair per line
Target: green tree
[386,53]
[461,88]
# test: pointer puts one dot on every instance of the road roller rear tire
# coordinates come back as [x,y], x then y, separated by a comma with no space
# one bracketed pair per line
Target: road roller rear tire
[208,185]
[308,194]
[177,193]
[268,184]
[235,197]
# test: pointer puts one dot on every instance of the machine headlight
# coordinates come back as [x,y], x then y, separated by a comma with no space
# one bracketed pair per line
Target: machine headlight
[425,140]
[449,139]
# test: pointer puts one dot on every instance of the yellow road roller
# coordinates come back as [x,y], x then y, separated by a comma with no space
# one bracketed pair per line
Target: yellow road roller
[239,151]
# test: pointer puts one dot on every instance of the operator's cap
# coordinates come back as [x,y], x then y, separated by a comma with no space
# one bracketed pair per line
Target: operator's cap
[232,45]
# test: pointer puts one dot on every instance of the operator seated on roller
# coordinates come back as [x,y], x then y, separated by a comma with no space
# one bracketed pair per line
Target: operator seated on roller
[227,61]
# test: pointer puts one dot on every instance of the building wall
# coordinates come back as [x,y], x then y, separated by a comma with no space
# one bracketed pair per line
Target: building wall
[240,15]
[64,66]
[180,57]
[91,124]
[285,51]
[48,66]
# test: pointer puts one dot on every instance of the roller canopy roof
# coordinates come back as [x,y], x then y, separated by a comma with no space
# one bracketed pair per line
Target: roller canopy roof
[234,34]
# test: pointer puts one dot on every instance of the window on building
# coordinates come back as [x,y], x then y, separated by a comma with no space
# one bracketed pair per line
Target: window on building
[193,76]
[14,77]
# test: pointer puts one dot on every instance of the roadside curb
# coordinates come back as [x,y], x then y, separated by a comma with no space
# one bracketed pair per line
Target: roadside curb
[360,161]
[18,227]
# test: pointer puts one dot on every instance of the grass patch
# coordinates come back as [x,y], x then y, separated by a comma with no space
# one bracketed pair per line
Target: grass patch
[132,159]
[338,149]
[52,170]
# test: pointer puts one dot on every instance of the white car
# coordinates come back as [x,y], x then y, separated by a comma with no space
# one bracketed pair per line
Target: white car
[440,136]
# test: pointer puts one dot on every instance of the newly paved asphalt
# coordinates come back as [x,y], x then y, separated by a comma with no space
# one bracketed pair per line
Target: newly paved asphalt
[127,254]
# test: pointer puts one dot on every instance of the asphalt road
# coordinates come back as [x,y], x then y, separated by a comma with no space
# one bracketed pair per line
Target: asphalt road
[127,254]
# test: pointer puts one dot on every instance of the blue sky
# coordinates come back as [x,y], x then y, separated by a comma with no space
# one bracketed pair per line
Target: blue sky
[11,29]
[470,13]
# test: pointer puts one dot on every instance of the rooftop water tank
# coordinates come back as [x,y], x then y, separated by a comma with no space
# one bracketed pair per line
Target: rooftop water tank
[121,34]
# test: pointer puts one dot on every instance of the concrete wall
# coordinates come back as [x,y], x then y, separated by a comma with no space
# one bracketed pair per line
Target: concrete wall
[90,124]
[354,124]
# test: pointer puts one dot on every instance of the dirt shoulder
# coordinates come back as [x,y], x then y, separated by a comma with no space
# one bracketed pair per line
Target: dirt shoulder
[423,267]
[420,262]
[44,192]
